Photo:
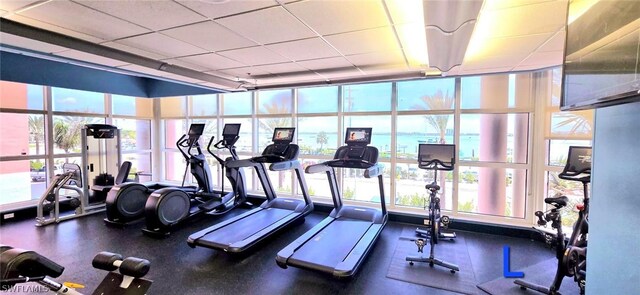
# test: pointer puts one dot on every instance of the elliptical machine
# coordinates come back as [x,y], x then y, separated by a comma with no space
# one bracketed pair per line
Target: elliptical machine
[166,207]
[126,203]
[571,254]
[434,157]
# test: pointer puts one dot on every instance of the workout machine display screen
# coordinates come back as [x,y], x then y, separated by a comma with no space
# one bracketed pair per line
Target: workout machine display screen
[358,136]
[283,135]
[445,153]
[579,159]
[231,130]
[196,129]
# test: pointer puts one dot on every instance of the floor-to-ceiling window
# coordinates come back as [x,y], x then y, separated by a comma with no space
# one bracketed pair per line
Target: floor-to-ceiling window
[494,144]
[41,130]
[23,148]
[561,130]
[488,117]
[492,119]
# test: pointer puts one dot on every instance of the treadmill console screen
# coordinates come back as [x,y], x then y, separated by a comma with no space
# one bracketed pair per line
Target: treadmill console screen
[358,136]
[231,130]
[196,129]
[283,135]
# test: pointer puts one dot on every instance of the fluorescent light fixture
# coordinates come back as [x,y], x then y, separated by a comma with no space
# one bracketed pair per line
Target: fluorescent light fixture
[408,20]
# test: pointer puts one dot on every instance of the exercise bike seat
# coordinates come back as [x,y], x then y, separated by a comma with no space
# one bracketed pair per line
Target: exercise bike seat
[18,262]
[557,202]
[432,186]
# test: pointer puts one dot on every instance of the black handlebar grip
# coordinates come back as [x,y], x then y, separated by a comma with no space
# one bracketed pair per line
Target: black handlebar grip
[105,260]
[135,267]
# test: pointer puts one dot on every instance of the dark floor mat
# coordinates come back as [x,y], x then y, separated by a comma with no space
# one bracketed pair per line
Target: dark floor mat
[454,252]
[541,274]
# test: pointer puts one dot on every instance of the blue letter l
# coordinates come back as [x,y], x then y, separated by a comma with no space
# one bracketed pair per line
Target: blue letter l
[506,262]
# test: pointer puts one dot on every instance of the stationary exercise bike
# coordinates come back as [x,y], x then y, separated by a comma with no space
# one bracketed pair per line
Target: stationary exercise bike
[169,206]
[434,157]
[571,254]
[18,266]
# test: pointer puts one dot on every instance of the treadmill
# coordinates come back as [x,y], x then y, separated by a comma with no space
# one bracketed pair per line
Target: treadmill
[339,244]
[240,233]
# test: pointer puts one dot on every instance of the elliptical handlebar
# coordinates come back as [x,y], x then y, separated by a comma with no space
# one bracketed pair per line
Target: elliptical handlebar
[211,152]
[180,144]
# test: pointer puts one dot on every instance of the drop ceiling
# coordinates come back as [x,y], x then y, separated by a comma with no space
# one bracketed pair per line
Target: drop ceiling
[271,43]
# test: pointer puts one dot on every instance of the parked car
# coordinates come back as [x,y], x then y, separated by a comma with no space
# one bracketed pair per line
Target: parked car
[38,175]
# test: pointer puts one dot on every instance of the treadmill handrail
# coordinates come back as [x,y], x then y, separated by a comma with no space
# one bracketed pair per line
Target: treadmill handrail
[374,171]
[317,168]
[350,163]
[282,166]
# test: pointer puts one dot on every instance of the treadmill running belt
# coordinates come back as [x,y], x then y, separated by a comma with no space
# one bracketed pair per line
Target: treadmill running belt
[245,227]
[331,245]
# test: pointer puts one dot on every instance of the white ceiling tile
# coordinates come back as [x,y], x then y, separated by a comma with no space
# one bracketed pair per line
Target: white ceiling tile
[134,50]
[544,59]
[12,5]
[210,36]
[526,20]
[269,25]
[377,58]
[76,17]
[186,64]
[326,63]
[212,61]
[494,61]
[497,5]
[30,44]
[215,10]
[92,58]
[330,17]
[304,49]
[49,27]
[380,39]
[243,72]
[288,67]
[555,43]
[161,44]
[155,15]
[515,45]
[254,56]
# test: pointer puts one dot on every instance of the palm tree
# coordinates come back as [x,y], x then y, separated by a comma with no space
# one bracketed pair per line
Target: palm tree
[66,132]
[437,101]
[579,122]
[322,139]
[36,129]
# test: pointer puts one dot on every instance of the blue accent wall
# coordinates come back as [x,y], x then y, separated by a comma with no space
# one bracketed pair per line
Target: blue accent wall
[613,253]
[31,70]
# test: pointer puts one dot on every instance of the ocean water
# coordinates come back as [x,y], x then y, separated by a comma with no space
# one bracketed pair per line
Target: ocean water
[406,143]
